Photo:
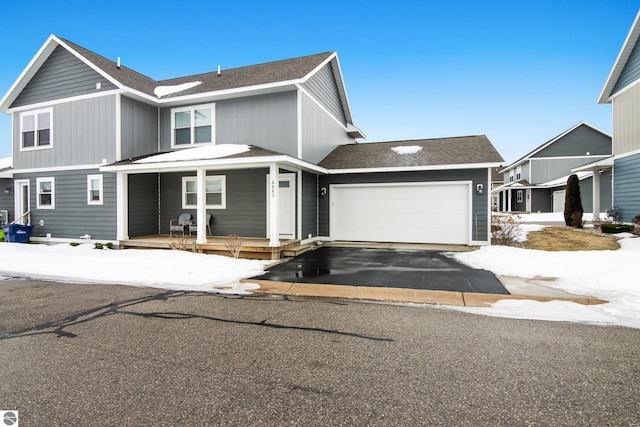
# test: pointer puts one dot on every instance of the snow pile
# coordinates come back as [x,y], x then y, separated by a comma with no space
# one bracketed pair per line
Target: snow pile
[161,91]
[155,268]
[207,152]
[407,149]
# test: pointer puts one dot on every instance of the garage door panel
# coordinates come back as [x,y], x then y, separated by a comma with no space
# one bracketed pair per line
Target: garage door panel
[401,213]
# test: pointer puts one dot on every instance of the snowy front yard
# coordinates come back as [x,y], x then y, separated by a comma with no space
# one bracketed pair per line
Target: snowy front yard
[607,275]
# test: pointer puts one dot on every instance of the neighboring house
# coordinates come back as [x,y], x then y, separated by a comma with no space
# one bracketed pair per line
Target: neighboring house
[104,151]
[622,90]
[6,190]
[536,182]
[497,179]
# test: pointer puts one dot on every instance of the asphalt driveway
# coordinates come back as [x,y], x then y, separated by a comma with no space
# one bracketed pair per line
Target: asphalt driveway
[413,269]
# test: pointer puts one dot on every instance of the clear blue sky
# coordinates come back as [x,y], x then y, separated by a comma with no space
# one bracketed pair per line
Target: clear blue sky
[518,72]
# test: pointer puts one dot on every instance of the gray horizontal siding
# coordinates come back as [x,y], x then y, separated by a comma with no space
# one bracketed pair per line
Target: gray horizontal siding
[626,191]
[83,133]
[480,202]
[72,216]
[268,121]
[579,142]
[139,124]
[245,213]
[541,200]
[631,71]
[143,205]
[61,76]
[6,198]
[322,85]
[545,170]
[586,193]
[309,205]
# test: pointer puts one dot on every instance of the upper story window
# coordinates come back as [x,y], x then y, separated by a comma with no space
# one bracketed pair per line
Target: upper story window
[46,193]
[511,175]
[518,173]
[35,129]
[192,125]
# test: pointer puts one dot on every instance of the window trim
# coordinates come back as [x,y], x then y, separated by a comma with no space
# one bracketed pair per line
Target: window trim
[518,173]
[192,109]
[100,179]
[223,192]
[40,180]
[519,197]
[511,175]
[35,113]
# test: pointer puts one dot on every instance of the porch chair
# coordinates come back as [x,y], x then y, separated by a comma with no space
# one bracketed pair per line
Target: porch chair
[193,226]
[179,225]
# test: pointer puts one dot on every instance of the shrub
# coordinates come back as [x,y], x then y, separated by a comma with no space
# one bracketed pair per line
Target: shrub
[74,244]
[109,245]
[573,203]
[98,246]
[616,228]
[505,229]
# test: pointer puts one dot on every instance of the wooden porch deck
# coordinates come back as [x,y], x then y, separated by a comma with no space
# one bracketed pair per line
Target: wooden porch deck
[251,247]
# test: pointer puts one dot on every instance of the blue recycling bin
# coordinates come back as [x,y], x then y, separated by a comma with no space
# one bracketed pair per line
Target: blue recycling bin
[17,233]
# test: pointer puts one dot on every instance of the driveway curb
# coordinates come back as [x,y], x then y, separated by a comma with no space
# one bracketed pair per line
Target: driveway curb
[418,296]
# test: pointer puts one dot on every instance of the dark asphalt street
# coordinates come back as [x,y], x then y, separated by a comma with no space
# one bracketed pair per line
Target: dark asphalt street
[113,355]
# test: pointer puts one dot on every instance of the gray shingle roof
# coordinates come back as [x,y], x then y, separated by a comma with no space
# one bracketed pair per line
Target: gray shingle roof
[432,152]
[233,78]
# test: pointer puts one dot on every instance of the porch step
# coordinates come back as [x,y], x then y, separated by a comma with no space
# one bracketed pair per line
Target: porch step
[297,249]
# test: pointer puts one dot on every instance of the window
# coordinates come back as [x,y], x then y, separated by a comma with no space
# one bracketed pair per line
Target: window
[215,192]
[46,193]
[519,196]
[192,125]
[518,173]
[511,175]
[35,130]
[94,189]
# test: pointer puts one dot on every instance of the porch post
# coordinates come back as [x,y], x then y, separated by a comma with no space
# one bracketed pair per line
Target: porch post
[274,232]
[122,206]
[596,194]
[201,206]
[509,200]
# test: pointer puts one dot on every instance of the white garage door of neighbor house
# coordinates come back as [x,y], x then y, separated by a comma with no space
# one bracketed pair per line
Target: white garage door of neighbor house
[404,212]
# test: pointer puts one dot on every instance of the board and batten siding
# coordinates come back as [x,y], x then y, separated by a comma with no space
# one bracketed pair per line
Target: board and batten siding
[579,142]
[143,203]
[626,182]
[139,128]
[626,122]
[83,133]
[545,170]
[322,86]
[61,76]
[268,121]
[73,216]
[479,202]
[320,133]
[310,196]
[245,213]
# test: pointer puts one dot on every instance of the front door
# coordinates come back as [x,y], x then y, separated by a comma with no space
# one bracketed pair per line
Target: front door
[22,201]
[286,205]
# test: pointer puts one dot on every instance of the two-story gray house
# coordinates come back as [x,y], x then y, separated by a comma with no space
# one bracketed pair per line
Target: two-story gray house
[536,182]
[268,151]
[622,90]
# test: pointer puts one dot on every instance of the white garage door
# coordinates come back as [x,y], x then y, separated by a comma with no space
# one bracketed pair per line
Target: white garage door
[404,212]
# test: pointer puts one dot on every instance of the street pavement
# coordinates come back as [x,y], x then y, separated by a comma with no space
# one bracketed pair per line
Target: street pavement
[73,354]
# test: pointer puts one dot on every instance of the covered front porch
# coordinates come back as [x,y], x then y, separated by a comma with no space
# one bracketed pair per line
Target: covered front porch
[254,248]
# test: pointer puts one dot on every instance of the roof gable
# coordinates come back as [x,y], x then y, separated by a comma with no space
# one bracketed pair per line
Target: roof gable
[626,68]
[539,151]
[437,152]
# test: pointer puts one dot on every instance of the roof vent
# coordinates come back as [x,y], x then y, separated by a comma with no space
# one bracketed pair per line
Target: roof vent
[118,64]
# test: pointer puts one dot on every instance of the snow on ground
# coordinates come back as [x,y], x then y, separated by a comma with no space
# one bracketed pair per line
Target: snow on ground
[155,268]
[607,275]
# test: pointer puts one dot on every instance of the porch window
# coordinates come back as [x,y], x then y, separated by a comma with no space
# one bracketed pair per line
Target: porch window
[192,125]
[519,196]
[35,130]
[94,189]
[215,188]
[46,193]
